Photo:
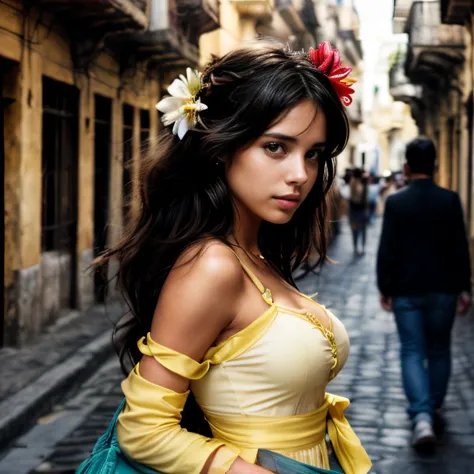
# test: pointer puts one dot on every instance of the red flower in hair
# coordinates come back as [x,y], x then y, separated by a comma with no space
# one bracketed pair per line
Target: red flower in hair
[328,61]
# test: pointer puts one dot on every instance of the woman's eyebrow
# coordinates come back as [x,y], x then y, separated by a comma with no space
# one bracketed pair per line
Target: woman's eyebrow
[288,138]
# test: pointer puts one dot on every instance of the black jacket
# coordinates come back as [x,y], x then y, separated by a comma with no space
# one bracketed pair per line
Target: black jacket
[424,247]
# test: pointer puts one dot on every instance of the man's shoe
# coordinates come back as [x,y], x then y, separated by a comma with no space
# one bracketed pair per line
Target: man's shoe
[423,434]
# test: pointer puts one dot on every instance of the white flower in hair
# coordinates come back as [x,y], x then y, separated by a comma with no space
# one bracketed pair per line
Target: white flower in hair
[181,107]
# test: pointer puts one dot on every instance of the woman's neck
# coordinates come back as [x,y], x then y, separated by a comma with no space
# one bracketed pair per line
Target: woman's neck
[245,230]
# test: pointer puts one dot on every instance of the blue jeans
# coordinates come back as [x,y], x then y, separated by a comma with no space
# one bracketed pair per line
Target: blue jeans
[424,325]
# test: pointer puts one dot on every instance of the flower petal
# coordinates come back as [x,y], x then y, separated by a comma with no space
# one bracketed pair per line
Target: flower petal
[171,117]
[200,106]
[179,89]
[341,72]
[194,81]
[183,128]
[327,58]
[168,104]
[176,125]
[314,56]
[185,81]
[336,60]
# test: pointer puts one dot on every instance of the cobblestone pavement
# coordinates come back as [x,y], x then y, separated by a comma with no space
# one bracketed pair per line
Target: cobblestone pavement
[371,379]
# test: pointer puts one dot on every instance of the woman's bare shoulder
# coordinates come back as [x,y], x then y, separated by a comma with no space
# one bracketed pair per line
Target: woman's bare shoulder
[211,265]
[199,298]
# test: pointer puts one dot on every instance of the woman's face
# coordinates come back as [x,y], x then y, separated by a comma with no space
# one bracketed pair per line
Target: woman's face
[272,177]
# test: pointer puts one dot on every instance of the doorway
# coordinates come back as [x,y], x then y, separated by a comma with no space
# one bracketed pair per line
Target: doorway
[127,138]
[102,148]
[60,194]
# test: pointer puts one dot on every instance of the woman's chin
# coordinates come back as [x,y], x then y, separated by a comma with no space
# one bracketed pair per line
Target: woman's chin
[279,217]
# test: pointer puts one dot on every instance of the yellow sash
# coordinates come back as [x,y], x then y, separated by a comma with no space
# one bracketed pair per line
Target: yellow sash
[292,433]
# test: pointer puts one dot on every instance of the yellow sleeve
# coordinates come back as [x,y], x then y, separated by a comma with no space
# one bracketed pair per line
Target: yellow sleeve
[149,430]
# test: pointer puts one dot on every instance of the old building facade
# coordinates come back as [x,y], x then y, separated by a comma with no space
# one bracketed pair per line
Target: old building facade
[434,75]
[78,86]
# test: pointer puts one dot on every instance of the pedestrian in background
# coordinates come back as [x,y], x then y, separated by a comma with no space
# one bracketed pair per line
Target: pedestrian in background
[423,271]
[358,208]
[373,196]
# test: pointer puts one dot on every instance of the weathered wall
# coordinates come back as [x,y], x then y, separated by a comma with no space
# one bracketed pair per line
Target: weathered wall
[48,54]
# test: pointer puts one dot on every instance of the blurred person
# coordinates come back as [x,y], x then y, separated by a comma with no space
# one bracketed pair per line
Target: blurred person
[373,197]
[423,270]
[388,188]
[233,202]
[358,209]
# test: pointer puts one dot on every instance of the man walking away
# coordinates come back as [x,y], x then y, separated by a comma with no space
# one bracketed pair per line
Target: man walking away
[423,270]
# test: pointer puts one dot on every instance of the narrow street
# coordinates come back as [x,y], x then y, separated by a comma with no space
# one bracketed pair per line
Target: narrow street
[371,379]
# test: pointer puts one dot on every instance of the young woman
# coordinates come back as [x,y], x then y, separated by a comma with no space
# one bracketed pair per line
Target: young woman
[231,204]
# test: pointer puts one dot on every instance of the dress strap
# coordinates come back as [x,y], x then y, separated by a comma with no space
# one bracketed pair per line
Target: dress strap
[266,294]
[174,361]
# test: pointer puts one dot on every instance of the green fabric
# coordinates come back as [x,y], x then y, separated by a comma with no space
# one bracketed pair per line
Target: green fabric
[107,458]
[283,465]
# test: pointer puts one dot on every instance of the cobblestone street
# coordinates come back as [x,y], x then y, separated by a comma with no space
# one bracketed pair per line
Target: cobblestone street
[371,379]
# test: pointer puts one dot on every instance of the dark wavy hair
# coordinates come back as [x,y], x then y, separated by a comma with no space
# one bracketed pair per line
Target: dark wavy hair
[184,197]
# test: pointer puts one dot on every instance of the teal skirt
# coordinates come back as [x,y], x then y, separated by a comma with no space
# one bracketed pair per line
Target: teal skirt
[283,465]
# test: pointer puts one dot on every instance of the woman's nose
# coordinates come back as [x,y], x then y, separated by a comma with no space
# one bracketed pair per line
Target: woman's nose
[297,173]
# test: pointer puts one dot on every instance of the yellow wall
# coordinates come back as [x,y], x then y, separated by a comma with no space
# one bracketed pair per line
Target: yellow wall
[51,57]
[48,54]
[234,28]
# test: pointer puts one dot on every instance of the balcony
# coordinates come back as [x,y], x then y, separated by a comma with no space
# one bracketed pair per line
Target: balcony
[401,89]
[348,32]
[401,10]
[291,16]
[172,40]
[257,9]
[434,49]
[456,12]
[204,13]
[159,31]
[105,15]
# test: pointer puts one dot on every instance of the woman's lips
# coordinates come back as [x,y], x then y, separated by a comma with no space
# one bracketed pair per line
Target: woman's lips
[287,203]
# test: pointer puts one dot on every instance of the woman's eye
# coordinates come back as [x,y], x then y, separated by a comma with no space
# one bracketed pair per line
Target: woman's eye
[313,155]
[274,148]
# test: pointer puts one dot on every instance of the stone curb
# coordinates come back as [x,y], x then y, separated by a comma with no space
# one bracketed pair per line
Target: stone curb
[21,410]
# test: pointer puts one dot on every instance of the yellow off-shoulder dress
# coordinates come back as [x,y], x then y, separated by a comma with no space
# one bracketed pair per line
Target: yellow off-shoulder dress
[263,388]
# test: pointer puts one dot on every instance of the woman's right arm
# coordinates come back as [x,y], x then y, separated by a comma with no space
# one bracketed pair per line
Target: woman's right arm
[199,299]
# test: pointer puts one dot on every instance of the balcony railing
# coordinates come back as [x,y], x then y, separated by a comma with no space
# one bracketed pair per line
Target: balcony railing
[425,28]
[434,49]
